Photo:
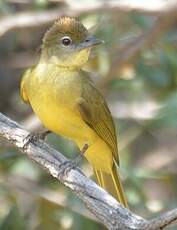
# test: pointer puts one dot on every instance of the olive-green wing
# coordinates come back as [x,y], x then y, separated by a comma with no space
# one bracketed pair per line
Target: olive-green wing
[96,114]
[25,77]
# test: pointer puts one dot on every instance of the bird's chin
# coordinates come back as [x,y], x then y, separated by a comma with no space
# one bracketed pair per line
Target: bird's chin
[81,57]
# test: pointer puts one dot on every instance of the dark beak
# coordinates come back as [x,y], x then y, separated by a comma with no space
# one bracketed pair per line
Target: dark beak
[90,42]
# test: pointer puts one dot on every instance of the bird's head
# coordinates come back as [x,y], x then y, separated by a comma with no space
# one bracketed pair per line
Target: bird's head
[67,43]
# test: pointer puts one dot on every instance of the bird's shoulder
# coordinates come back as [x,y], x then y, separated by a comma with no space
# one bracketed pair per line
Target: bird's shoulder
[25,77]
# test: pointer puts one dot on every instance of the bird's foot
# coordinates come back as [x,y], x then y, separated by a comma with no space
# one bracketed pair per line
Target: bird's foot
[66,166]
[34,137]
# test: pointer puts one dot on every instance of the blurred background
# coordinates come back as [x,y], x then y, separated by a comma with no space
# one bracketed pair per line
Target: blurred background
[136,70]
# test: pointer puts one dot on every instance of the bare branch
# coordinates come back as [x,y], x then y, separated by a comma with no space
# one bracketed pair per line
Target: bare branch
[98,201]
[27,19]
[150,7]
[75,8]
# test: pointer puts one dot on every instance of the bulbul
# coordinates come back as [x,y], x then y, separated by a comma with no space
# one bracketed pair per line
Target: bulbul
[65,99]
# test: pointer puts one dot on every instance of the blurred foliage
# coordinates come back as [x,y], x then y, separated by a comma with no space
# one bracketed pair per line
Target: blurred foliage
[143,100]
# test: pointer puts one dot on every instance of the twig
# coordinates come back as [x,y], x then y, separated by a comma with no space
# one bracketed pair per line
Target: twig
[98,201]
[131,49]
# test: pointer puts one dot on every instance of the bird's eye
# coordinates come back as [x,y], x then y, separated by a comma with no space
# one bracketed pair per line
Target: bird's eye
[66,41]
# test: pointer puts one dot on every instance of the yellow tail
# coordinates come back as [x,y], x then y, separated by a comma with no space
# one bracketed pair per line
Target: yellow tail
[112,184]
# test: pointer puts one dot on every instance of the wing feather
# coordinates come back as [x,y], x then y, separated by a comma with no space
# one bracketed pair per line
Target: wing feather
[95,112]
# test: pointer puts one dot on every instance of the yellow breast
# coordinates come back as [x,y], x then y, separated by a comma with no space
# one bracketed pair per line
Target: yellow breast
[53,96]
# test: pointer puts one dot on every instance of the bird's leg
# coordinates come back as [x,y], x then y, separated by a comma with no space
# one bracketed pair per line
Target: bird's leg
[66,166]
[33,137]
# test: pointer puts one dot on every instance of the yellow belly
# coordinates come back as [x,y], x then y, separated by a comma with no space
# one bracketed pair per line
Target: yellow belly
[66,123]
[61,116]
[63,121]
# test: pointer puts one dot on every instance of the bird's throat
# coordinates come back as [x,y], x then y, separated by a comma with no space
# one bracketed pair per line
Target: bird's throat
[74,60]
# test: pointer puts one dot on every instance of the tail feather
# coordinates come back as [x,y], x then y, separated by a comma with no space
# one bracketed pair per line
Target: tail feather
[112,184]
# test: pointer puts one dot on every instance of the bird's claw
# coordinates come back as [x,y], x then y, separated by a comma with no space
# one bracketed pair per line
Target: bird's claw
[66,166]
[34,137]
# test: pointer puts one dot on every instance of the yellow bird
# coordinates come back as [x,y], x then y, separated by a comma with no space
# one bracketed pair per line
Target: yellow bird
[67,102]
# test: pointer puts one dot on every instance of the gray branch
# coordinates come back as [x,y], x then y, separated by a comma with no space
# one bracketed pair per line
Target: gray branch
[99,202]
